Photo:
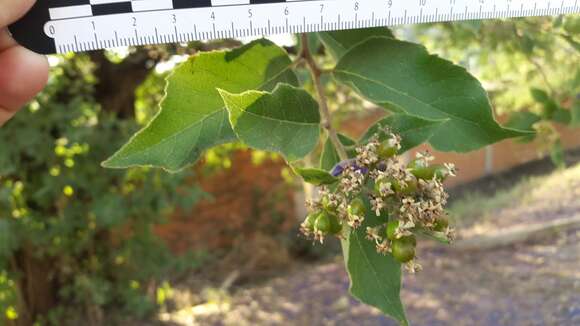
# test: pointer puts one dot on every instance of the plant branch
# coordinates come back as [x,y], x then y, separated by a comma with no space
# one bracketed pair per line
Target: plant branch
[530,58]
[542,73]
[326,122]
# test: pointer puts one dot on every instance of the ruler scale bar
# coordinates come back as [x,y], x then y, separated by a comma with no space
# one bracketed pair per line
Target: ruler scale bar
[82,25]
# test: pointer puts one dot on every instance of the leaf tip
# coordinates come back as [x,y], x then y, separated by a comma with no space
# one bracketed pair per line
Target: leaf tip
[112,163]
[223,93]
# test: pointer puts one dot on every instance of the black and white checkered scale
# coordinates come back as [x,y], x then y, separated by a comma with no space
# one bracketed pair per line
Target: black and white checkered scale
[67,9]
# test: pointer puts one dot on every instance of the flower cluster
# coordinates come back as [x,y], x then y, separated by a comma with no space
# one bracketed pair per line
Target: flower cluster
[407,199]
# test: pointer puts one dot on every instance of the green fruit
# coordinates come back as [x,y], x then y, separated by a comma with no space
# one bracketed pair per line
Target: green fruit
[410,188]
[391,228]
[310,220]
[327,206]
[386,151]
[357,207]
[403,251]
[426,173]
[394,185]
[417,164]
[409,239]
[441,223]
[327,223]
[335,226]
[379,184]
[441,172]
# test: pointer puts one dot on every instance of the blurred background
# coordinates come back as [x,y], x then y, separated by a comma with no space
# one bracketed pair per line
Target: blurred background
[217,244]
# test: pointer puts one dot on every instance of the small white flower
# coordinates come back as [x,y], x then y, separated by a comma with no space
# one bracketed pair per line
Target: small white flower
[451,170]
[413,267]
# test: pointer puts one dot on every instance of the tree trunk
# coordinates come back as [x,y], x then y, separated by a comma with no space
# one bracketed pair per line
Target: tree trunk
[37,290]
[117,82]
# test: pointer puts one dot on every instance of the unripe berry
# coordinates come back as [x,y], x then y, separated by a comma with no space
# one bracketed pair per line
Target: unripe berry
[327,205]
[430,172]
[441,172]
[386,150]
[403,249]
[391,229]
[410,188]
[327,223]
[417,164]
[409,239]
[441,223]
[379,185]
[357,208]
[426,173]
[310,221]
[394,185]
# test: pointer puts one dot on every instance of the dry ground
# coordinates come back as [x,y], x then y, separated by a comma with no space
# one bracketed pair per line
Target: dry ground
[534,283]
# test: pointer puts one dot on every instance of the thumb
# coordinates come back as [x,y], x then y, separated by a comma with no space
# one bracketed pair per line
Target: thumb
[23,74]
[12,10]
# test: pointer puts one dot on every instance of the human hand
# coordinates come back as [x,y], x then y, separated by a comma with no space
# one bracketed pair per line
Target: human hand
[23,73]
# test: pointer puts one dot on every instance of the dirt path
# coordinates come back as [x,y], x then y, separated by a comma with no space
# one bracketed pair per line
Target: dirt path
[529,284]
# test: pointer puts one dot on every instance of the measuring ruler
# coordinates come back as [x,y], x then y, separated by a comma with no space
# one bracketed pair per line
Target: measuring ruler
[60,26]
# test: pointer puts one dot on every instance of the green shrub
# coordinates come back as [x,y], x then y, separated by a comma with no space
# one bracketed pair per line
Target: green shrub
[75,238]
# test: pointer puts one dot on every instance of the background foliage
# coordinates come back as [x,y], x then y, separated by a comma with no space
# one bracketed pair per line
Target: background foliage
[77,240]
[530,66]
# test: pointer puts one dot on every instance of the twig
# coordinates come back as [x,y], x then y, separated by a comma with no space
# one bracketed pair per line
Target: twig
[326,122]
[542,73]
[530,58]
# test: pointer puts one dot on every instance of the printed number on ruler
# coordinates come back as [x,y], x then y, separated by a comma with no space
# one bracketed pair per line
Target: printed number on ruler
[81,25]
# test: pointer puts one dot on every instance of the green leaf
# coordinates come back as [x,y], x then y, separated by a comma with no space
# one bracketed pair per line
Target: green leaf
[374,279]
[524,120]
[316,177]
[392,72]
[192,116]
[572,25]
[562,116]
[110,210]
[413,131]
[339,42]
[330,158]
[540,95]
[286,121]
[549,106]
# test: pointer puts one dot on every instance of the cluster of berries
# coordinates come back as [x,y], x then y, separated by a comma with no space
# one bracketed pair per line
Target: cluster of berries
[407,199]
